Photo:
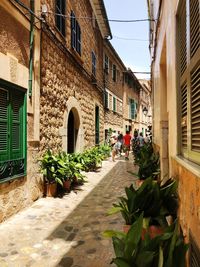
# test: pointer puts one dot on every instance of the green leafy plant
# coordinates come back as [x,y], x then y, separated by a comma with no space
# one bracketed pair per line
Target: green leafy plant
[136,249]
[153,200]
[49,167]
[148,162]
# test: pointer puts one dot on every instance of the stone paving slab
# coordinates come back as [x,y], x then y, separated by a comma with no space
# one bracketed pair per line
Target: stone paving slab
[67,232]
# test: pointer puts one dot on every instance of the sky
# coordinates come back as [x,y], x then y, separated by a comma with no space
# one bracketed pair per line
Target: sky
[134,54]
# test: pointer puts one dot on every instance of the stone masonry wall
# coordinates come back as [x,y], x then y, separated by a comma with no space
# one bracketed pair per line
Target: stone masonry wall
[60,80]
[113,120]
[21,192]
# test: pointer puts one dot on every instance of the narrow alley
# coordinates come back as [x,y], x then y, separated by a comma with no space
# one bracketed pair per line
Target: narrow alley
[68,231]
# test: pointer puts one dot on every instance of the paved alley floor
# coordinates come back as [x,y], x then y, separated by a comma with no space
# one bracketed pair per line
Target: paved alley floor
[68,231]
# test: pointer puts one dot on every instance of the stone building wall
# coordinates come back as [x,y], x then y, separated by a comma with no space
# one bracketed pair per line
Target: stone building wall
[129,93]
[14,61]
[113,119]
[91,38]
[66,76]
[14,38]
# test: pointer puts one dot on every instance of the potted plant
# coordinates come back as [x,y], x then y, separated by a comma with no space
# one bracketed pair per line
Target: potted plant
[156,202]
[148,162]
[136,249]
[49,166]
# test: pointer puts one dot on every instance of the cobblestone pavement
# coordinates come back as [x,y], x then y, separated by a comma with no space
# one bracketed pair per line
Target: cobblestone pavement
[68,231]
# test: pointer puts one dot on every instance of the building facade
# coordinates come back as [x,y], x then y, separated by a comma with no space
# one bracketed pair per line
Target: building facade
[72,108]
[62,85]
[145,109]
[19,111]
[175,52]
[131,102]
[51,89]
[113,86]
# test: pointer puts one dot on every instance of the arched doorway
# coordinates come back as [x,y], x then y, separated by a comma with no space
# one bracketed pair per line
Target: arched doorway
[71,133]
[73,126]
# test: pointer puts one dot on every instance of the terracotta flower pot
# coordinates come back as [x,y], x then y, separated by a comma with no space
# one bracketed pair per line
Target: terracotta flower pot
[153,231]
[67,185]
[126,228]
[50,189]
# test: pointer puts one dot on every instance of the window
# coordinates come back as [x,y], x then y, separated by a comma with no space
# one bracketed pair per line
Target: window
[114,104]
[60,20]
[12,132]
[106,64]
[106,104]
[132,108]
[75,34]
[189,78]
[114,73]
[93,64]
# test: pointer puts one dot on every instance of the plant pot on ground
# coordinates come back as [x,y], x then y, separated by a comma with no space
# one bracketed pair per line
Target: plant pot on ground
[49,167]
[50,189]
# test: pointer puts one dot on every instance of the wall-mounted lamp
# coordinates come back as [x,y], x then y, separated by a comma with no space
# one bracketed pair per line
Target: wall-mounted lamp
[44,10]
[145,111]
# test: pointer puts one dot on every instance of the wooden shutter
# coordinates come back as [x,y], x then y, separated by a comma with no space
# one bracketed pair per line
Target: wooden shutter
[132,109]
[194,26]
[93,63]
[184,115]
[96,125]
[17,125]
[182,39]
[114,103]
[4,142]
[195,109]
[106,99]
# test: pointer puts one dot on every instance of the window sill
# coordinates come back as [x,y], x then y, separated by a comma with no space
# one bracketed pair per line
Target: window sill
[76,56]
[10,179]
[60,35]
[190,166]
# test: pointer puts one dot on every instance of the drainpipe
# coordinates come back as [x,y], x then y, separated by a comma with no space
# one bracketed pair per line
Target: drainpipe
[31,43]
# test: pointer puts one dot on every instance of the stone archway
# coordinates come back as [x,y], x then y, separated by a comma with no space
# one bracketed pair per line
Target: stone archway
[72,130]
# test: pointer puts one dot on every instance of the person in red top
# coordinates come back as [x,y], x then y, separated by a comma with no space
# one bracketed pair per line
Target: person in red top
[127,144]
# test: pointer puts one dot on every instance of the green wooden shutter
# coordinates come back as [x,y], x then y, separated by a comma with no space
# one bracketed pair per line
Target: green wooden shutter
[4,114]
[96,125]
[132,109]
[114,104]
[17,104]
[136,107]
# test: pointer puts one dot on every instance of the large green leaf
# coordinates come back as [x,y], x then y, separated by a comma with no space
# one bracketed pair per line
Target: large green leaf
[118,245]
[145,259]
[133,237]
[120,262]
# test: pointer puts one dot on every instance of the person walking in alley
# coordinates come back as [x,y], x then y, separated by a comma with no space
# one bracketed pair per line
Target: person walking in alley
[115,147]
[120,139]
[127,144]
[141,140]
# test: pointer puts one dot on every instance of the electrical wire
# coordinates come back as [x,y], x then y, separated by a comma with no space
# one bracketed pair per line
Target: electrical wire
[130,39]
[93,18]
